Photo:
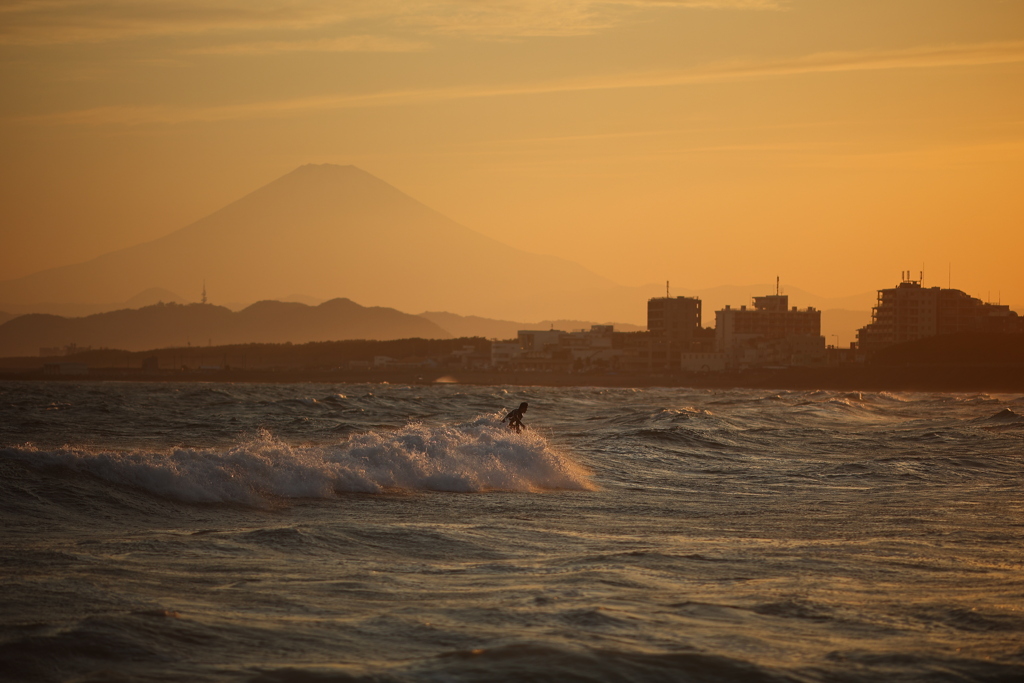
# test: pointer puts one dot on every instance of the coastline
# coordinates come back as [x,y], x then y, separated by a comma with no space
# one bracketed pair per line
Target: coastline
[995,379]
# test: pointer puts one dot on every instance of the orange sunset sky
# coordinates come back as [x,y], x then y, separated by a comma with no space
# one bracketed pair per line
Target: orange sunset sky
[708,142]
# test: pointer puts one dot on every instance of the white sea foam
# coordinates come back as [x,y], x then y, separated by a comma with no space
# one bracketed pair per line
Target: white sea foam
[890,396]
[479,456]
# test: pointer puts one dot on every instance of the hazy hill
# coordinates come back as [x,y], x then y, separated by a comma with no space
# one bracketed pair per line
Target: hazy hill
[147,297]
[164,325]
[488,328]
[327,231]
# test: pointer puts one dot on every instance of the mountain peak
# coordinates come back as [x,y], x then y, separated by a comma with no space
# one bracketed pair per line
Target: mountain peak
[328,168]
[328,231]
[331,172]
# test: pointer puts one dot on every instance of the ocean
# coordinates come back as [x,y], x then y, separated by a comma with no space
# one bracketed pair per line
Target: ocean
[314,533]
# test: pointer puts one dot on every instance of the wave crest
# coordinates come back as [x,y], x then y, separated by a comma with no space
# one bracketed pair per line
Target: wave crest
[474,457]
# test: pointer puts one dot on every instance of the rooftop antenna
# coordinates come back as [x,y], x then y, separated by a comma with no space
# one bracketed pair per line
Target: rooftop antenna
[666,290]
[204,290]
[776,285]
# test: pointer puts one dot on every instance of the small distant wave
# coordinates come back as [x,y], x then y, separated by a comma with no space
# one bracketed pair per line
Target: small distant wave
[852,405]
[473,457]
[1005,421]
[661,417]
[699,439]
[687,411]
[977,399]
[845,401]
[798,609]
[1004,416]
[306,402]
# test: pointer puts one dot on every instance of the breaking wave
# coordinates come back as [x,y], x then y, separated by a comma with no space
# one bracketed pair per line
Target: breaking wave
[474,457]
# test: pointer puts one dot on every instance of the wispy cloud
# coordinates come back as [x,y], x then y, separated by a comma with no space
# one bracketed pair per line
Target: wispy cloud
[355,43]
[61,22]
[521,18]
[973,55]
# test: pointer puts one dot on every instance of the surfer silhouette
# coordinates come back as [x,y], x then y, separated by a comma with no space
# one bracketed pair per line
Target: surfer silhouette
[515,418]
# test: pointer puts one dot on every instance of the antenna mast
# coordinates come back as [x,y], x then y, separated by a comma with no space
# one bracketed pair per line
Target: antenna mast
[666,290]
[204,290]
[776,285]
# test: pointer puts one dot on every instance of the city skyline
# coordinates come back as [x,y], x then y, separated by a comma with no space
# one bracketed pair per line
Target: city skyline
[267,239]
[324,231]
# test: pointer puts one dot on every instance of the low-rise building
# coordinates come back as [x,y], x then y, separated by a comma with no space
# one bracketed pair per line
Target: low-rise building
[594,350]
[539,340]
[504,354]
[702,361]
[634,351]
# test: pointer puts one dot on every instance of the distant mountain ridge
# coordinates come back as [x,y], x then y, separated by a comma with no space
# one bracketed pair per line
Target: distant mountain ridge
[167,325]
[147,297]
[54,330]
[327,231]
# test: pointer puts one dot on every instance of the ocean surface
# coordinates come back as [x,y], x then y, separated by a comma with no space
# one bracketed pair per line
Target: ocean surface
[316,533]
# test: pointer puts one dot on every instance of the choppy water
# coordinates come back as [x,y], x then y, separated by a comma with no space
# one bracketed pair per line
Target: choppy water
[321,533]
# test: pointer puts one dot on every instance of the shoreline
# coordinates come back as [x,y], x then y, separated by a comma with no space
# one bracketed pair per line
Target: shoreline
[995,379]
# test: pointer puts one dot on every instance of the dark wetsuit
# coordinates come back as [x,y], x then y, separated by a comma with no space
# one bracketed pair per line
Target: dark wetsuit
[515,420]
